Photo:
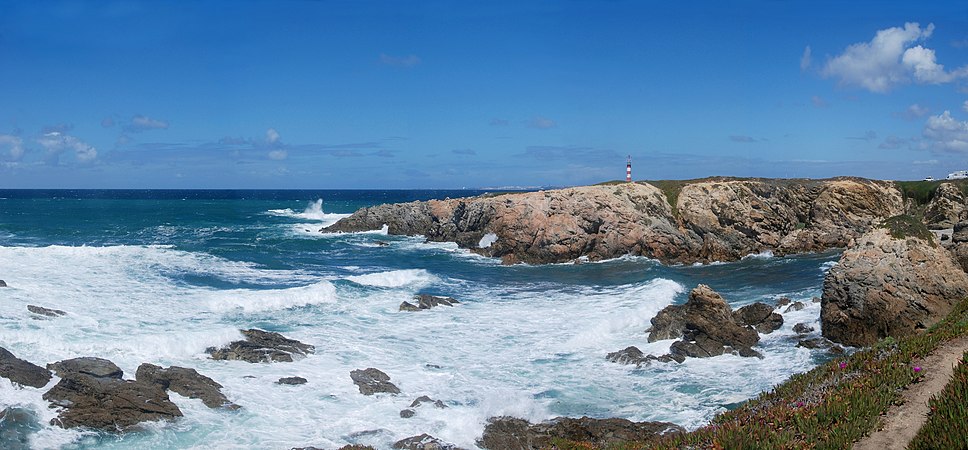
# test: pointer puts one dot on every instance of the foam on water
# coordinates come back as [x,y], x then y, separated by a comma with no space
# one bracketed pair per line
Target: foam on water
[313,211]
[530,349]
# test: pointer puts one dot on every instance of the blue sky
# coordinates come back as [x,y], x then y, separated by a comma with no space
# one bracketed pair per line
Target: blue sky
[449,94]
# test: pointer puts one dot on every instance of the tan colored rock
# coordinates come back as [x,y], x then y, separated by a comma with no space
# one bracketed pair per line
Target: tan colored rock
[885,286]
[946,208]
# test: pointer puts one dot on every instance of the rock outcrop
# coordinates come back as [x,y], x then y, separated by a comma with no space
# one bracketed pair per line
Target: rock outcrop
[426,301]
[706,325]
[959,244]
[509,433]
[3,284]
[760,316]
[186,382]
[40,310]
[889,285]
[92,394]
[946,208]
[21,371]
[292,380]
[262,346]
[373,381]
[423,442]
[714,219]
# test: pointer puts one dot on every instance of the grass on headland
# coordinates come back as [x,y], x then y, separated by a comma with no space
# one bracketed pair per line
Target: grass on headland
[947,425]
[829,407]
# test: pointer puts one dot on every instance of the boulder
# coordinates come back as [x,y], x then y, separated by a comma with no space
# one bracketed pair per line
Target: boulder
[959,244]
[186,382]
[946,207]
[425,399]
[3,284]
[893,282]
[40,310]
[292,380]
[760,316]
[508,433]
[824,343]
[373,381]
[93,395]
[630,355]
[22,372]
[407,413]
[802,328]
[795,306]
[262,346]
[423,442]
[708,326]
[425,301]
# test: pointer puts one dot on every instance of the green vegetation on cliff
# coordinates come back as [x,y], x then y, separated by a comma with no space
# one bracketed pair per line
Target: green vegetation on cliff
[905,226]
[834,404]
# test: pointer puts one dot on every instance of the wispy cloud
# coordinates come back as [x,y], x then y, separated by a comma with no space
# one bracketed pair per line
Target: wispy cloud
[946,133]
[55,143]
[743,139]
[406,62]
[891,59]
[894,143]
[14,146]
[141,123]
[806,59]
[542,123]
[913,112]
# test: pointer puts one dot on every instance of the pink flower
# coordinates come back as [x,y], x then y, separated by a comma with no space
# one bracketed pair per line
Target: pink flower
[843,365]
[799,404]
[917,369]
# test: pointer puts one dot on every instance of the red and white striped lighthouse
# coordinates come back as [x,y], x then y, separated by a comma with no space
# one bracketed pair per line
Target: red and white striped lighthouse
[628,170]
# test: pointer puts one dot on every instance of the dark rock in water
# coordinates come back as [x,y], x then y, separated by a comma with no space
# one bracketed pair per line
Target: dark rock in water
[262,346]
[425,301]
[372,381]
[94,396]
[760,316]
[708,326]
[292,380]
[348,447]
[795,306]
[425,399]
[45,311]
[16,427]
[815,300]
[802,328]
[630,355]
[95,367]
[783,301]
[815,343]
[186,382]
[423,442]
[22,372]
[669,323]
[509,433]
[382,244]
[407,413]
[3,283]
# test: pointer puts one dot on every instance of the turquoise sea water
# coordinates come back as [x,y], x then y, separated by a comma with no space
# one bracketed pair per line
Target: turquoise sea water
[158,276]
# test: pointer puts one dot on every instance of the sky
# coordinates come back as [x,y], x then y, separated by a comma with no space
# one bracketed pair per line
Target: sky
[459,94]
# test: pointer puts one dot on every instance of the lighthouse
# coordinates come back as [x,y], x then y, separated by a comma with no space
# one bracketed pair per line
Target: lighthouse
[628,170]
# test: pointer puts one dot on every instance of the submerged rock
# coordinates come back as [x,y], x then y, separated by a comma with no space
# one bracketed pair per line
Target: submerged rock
[3,284]
[373,381]
[802,328]
[186,382]
[509,433]
[890,286]
[425,399]
[45,311]
[292,380]
[262,346]
[92,394]
[22,372]
[795,306]
[425,301]
[823,343]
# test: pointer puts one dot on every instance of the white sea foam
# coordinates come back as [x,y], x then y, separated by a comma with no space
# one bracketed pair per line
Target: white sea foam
[313,211]
[250,300]
[766,254]
[394,278]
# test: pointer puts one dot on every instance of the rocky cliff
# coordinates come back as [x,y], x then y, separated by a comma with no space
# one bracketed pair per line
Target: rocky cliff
[715,219]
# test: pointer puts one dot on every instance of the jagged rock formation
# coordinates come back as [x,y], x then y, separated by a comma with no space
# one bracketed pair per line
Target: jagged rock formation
[890,286]
[760,316]
[509,433]
[946,208]
[262,346]
[426,301]
[373,381]
[186,382]
[92,394]
[716,219]
[21,371]
[40,310]
[423,442]
[959,244]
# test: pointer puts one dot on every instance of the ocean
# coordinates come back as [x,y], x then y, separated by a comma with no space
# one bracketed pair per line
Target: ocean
[159,276]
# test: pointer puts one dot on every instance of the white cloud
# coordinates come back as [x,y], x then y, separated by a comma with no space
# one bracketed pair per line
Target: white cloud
[889,60]
[806,59]
[272,136]
[917,110]
[964,106]
[542,123]
[56,143]
[14,145]
[141,123]
[947,133]
[278,155]
[400,61]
